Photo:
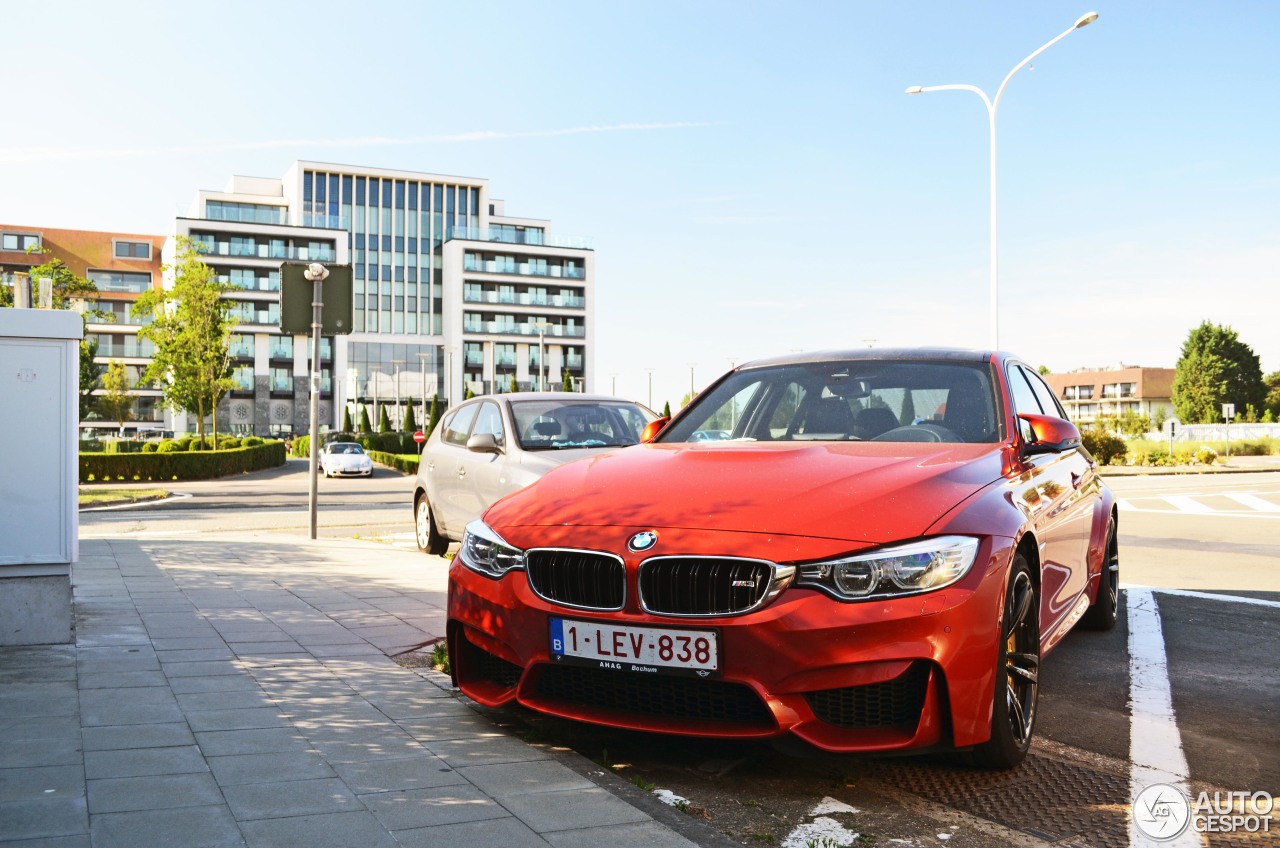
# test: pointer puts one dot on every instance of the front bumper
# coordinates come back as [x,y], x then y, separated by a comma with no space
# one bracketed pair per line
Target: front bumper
[876,675]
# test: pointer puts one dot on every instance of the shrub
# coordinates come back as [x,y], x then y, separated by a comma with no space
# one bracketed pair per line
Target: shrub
[173,464]
[1206,455]
[149,447]
[1108,449]
[302,446]
[168,446]
[228,443]
[251,441]
[184,443]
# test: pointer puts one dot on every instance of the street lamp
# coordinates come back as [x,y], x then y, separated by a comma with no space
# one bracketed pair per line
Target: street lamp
[316,273]
[422,368]
[992,105]
[542,350]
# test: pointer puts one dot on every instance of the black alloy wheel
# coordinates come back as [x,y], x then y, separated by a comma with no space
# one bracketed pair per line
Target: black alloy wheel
[1017,675]
[1102,613]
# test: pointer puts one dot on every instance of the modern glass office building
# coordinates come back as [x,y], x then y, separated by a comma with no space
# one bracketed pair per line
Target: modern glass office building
[450,293]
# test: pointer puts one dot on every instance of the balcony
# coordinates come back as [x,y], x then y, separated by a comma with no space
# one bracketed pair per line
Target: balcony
[534,237]
[522,269]
[525,299]
[268,251]
[500,328]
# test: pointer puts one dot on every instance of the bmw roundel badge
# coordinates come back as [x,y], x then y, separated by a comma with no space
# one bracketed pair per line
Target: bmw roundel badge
[642,541]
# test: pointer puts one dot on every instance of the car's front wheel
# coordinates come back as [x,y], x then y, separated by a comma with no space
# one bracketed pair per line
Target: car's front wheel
[1017,674]
[429,537]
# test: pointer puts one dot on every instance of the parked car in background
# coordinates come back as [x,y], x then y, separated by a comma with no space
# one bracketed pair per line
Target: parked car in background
[491,446]
[877,559]
[345,459]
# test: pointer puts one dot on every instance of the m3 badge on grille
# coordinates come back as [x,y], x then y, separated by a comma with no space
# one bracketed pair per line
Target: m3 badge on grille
[642,541]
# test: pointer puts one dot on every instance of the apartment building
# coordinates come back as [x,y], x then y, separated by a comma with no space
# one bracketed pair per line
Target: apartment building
[1089,394]
[122,266]
[450,293]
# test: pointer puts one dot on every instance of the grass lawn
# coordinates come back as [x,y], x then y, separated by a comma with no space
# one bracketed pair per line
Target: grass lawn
[110,497]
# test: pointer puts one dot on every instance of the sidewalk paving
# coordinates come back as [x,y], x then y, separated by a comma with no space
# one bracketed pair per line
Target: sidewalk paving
[228,691]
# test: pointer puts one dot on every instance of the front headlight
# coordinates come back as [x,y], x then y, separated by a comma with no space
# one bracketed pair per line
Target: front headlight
[898,570]
[485,551]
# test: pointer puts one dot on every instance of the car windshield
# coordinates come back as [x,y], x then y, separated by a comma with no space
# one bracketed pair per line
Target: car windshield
[844,400]
[345,447]
[560,425]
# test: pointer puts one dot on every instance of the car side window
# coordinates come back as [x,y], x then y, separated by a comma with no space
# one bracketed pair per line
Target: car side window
[1024,397]
[459,425]
[1047,401]
[489,420]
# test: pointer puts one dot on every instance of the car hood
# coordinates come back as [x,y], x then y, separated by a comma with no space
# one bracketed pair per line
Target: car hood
[859,492]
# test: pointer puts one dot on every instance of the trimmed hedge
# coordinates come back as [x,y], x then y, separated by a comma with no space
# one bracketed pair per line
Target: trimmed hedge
[178,464]
[407,463]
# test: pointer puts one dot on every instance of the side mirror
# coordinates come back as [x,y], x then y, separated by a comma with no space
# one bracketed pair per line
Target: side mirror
[1049,434]
[483,443]
[652,429]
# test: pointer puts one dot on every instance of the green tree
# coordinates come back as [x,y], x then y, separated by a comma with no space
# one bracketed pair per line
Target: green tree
[1272,402]
[365,426]
[566,382]
[90,373]
[116,402]
[666,409]
[434,417]
[384,422]
[468,394]
[514,385]
[346,419]
[191,330]
[1215,368]
[410,424]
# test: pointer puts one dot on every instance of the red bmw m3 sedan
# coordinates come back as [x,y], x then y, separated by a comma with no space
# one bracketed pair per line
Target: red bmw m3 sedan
[876,558]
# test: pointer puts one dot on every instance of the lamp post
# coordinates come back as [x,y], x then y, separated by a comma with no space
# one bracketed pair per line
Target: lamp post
[992,105]
[542,351]
[397,363]
[422,368]
[316,273]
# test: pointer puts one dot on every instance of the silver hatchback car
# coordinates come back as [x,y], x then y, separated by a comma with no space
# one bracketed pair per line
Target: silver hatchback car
[491,446]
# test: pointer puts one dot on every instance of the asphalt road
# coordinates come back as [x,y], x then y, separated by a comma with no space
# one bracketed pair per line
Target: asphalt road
[1209,545]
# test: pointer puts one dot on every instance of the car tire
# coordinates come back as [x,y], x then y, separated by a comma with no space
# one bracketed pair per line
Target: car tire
[1017,674]
[430,540]
[1102,613]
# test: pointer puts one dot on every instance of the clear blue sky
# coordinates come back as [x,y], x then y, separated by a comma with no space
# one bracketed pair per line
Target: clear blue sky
[753,176]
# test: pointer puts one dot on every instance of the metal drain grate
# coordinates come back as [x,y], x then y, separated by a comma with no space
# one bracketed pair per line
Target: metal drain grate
[1048,798]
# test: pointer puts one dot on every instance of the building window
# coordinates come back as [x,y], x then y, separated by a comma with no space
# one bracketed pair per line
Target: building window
[119,281]
[132,249]
[19,241]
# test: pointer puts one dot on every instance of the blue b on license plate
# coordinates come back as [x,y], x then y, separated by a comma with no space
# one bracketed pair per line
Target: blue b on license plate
[630,648]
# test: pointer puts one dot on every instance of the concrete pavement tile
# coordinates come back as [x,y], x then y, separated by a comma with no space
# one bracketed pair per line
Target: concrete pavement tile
[263,768]
[414,808]
[183,759]
[449,723]
[212,668]
[385,774]
[26,753]
[119,714]
[648,834]
[223,743]
[170,735]
[121,680]
[460,753]
[190,827]
[152,792]
[233,700]
[218,683]
[30,728]
[366,747]
[285,799]
[250,718]
[506,779]
[571,810]
[19,708]
[40,818]
[218,652]
[92,699]
[102,634]
[335,830]
[29,784]
[477,834]
[361,648]
[187,643]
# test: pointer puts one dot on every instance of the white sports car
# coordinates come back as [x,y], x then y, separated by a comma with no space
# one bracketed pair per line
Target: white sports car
[345,459]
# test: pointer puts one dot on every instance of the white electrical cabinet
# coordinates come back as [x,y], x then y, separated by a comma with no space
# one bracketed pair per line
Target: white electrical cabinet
[39,421]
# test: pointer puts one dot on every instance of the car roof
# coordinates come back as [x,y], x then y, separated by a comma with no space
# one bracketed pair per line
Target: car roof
[872,354]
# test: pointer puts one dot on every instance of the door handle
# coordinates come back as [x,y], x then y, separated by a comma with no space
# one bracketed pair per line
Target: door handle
[462,472]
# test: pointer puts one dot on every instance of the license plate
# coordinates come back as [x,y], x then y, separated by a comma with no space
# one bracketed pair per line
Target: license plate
[653,650]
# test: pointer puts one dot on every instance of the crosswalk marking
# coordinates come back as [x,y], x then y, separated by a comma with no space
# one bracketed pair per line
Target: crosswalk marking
[1264,504]
[1253,502]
